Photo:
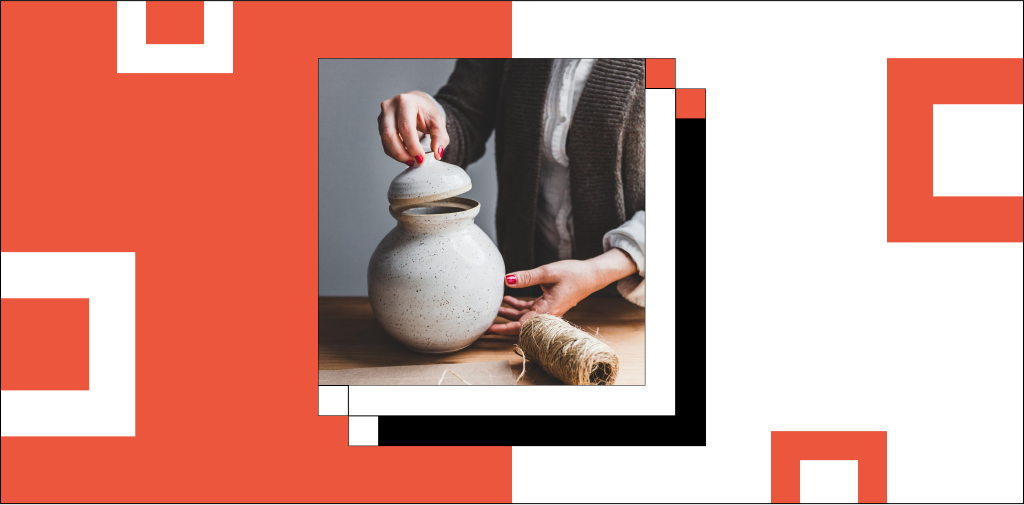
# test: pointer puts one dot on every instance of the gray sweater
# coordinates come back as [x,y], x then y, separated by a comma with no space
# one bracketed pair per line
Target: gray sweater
[605,146]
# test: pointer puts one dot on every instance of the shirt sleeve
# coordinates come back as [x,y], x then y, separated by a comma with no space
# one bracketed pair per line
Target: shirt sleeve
[470,99]
[631,238]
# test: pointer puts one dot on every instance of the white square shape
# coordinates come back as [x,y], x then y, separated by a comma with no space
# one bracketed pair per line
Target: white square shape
[107,409]
[978,150]
[828,481]
[333,400]
[215,55]
[362,430]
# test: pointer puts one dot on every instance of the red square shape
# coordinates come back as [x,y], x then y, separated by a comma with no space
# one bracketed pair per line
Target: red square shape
[174,22]
[869,448]
[690,103]
[661,73]
[914,85]
[45,344]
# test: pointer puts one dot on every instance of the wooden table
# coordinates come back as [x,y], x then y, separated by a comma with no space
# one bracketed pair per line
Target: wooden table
[351,338]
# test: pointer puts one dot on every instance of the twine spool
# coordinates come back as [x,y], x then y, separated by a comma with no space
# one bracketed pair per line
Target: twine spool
[567,352]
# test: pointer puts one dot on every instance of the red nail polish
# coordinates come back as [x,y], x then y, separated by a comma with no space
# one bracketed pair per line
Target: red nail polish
[440,152]
[510,279]
[409,162]
[419,159]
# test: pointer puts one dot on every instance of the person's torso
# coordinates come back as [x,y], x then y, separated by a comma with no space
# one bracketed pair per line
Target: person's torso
[554,199]
[594,168]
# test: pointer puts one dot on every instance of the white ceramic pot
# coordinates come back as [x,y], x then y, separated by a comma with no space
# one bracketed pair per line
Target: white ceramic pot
[436,280]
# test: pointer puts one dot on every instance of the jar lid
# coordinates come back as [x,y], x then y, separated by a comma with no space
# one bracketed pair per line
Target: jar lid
[428,182]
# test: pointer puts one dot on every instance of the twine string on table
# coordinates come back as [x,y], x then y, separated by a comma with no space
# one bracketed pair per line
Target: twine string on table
[446,370]
[567,352]
[519,351]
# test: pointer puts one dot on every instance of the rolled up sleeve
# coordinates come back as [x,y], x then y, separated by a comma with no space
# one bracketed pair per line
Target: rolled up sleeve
[631,238]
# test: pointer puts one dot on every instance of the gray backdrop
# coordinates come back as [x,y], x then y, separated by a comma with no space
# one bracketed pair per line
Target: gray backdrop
[354,172]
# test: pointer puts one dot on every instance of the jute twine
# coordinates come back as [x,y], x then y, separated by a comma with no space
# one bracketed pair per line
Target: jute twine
[567,352]
[448,370]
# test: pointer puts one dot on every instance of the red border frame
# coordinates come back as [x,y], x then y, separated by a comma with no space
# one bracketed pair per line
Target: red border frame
[869,448]
[914,215]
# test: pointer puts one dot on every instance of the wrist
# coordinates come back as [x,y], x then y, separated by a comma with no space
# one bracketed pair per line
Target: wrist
[612,266]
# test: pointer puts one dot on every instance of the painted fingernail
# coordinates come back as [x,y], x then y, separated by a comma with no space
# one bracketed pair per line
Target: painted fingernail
[510,279]
[440,152]
[409,162]
[419,159]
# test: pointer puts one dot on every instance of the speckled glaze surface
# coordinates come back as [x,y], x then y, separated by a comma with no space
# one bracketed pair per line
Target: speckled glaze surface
[436,280]
[430,181]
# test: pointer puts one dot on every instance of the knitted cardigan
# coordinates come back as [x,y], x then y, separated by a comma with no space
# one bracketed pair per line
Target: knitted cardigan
[606,146]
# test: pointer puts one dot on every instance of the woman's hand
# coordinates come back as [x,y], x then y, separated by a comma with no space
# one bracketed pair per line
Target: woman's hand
[404,120]
[564,284]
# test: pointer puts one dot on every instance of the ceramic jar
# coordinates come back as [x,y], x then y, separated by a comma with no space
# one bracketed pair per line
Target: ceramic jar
[436,280]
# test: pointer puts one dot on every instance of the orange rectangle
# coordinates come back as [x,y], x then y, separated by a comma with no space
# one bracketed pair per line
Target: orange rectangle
[690,103]
[45,344]
[185,336]
[913,87]
[661,73]
[174,22]
[869,448]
